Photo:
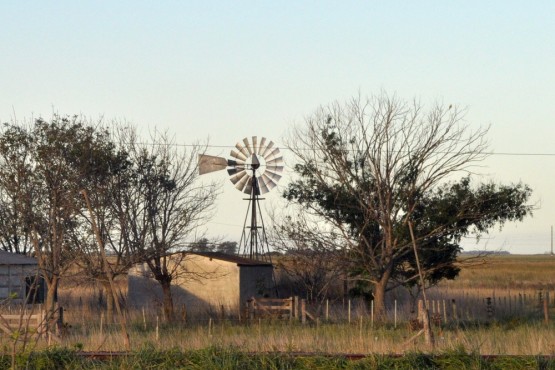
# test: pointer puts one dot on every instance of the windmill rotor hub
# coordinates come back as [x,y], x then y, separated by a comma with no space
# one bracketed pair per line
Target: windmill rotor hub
[256,163]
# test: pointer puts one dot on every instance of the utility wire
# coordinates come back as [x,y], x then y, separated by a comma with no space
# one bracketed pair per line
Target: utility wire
[530,154]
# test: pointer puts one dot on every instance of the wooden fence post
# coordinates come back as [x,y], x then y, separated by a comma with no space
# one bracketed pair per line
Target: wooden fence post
[303,311]
[296,307]
[157,328]
[395,316]
[43,322]
[546,308]
[360,327]
[83,326]
[490,308]
[250,309]
[60,321]
[144,319]
[372,314]
[327,309]
[184,314]
[454,310]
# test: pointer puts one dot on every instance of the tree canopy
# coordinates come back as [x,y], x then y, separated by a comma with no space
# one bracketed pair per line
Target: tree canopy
[145,201]
[369,168]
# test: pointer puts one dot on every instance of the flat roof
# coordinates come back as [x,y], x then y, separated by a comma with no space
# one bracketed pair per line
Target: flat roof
[241,261]
[9,258]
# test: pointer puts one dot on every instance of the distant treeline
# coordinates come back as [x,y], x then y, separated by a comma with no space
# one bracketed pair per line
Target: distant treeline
[482,252]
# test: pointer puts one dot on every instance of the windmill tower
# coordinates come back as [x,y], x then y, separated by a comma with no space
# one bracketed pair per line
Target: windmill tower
[255,169]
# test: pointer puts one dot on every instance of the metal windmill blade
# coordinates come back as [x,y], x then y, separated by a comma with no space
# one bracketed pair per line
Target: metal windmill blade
[255,165]
[264,163]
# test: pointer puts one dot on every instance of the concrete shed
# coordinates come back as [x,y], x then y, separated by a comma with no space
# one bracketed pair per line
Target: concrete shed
[204,282]
[17,274]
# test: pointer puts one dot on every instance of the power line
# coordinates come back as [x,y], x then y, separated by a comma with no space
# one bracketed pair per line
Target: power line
[529,154]
[523,154]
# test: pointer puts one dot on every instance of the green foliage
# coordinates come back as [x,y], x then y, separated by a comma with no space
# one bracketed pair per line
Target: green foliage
[369,175]
[460,359]
[205,245]
[232,358]
[50,359]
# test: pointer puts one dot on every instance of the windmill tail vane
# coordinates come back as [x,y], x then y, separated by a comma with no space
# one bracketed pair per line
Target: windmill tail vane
[210,163]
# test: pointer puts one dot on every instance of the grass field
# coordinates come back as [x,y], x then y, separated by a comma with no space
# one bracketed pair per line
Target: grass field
[517,326]
[516,272]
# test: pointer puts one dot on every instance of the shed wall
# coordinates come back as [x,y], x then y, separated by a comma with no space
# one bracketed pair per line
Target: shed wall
[202,285]
[256,281]
[12,280]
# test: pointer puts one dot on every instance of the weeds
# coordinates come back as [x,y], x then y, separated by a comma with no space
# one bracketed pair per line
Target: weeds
[232,358]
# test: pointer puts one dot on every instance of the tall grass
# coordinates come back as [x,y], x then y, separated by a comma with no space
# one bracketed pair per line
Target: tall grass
[233,358]
[516,327]
[513,337]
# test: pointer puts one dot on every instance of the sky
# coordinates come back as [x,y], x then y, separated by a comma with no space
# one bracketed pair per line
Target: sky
[225,70]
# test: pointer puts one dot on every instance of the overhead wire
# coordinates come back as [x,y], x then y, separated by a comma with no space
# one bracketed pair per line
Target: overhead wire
[537,154]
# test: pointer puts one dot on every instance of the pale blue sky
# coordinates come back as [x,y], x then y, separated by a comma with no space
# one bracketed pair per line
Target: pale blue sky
[231,69]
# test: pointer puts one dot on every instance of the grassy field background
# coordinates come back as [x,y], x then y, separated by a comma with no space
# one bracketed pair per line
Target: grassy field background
[517,327]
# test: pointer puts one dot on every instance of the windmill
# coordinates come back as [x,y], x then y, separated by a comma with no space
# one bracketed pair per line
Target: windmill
[255,168]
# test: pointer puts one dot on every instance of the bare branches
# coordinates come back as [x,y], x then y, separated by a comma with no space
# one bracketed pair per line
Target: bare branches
[146,199]
[161,203]
[368,166]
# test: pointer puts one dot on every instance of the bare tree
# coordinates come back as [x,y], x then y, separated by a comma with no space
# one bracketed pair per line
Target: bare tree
[160,204]
[309,260]
[102,212]
[369,169]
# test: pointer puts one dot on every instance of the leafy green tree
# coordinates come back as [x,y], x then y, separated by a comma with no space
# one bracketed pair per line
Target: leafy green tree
[227,247]
[369,169]
[205,245]
[144,200]
[57,159]
[103,217]
[16,192]
[202,245]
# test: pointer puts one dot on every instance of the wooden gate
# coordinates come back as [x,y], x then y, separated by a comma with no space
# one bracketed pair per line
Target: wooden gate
[270,307]
[30,324]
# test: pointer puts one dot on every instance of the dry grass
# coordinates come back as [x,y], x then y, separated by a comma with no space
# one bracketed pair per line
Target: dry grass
[516,328]
[515,272]
[507,338]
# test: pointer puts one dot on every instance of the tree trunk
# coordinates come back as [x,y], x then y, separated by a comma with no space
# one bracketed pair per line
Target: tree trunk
[379,294]
[109,300]
[51,297]
[167,300]
[379,300]
[428,333]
